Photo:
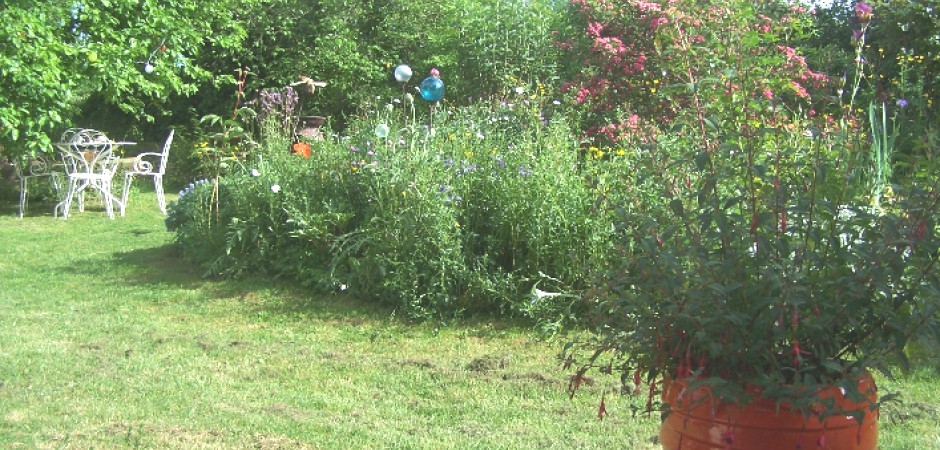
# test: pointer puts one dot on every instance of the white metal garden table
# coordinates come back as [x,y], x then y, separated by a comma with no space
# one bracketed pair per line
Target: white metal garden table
[90,164]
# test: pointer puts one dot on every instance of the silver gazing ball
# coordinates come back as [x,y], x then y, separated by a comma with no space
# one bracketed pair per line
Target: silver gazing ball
[402,73]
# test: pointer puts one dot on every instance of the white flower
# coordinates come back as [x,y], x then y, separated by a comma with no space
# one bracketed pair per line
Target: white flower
[342,287]
[255,173]
[275,188]
[520,90]
[381,131]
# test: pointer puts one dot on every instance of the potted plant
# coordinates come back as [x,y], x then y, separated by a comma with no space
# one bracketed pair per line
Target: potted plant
[758,285]
[767,274]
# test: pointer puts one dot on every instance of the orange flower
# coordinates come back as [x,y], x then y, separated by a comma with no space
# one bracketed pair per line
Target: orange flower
[300,148]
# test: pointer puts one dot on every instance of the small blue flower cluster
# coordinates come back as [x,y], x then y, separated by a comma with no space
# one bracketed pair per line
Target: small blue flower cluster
[191,187]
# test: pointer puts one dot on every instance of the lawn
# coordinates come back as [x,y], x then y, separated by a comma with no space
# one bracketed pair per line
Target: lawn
[108,339]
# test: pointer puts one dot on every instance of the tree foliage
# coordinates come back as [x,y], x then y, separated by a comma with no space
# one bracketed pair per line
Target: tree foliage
[55,55]
[479,46]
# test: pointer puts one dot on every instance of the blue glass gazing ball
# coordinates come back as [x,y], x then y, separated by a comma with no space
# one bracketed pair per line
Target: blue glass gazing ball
[432,89]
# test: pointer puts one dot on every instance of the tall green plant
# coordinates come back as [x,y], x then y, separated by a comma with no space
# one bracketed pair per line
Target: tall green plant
[469,214]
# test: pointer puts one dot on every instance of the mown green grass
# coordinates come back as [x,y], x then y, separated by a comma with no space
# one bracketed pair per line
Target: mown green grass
[109,340]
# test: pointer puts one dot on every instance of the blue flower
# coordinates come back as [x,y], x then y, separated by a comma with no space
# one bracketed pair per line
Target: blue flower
[902,103]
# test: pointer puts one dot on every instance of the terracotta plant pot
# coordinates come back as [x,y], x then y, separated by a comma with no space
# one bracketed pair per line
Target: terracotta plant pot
[697,422]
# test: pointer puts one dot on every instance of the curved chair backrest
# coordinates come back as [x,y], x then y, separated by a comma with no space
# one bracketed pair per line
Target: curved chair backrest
[35,167]
[166,153]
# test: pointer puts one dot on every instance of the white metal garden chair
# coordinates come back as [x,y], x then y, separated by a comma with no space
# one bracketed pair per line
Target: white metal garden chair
[39,167]
[149,164]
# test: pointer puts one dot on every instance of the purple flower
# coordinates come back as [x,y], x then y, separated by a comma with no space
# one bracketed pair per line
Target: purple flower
[857,36]
[902,103]
[863,11]
[524,171]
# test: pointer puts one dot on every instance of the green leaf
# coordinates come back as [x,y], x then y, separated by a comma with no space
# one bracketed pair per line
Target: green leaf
[701,160]
[677,208]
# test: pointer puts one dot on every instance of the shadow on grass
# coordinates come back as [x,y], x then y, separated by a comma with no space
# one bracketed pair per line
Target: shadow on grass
[284,298]
[35,208]
[164,267]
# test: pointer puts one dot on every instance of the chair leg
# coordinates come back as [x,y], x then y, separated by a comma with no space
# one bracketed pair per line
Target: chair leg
[161,199]
[128,179]
[67,203]
[24,194]
[108,199]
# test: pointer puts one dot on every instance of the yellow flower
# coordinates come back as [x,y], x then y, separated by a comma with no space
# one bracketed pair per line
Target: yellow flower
[468,154]
[620,152]
[457,224]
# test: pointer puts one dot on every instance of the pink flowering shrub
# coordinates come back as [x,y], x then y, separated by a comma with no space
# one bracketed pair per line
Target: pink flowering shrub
[644,63]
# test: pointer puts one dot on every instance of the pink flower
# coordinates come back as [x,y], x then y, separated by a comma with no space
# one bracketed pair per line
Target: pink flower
[658,22]
[768,94]
[800,90]
[595,29]
[435,73]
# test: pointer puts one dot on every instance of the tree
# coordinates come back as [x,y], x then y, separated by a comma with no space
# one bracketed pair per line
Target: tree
[132,53]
